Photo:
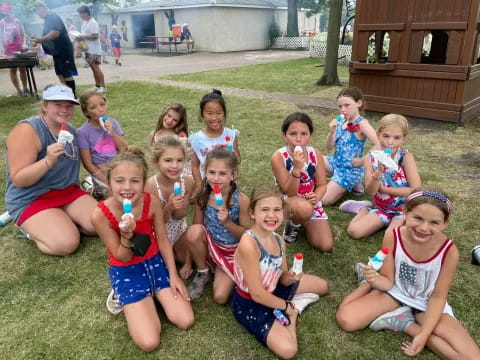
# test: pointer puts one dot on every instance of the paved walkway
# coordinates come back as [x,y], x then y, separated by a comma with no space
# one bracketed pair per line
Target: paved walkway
[138,67]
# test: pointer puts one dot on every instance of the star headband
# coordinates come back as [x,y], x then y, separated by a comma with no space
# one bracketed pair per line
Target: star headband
[432,194]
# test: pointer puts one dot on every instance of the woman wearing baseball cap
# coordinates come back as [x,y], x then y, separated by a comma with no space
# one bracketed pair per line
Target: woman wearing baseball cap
[43,196]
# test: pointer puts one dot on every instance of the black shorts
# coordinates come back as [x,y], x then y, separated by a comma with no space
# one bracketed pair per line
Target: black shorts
[65,65]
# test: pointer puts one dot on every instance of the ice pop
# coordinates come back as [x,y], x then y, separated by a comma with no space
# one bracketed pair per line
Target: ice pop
[218,195]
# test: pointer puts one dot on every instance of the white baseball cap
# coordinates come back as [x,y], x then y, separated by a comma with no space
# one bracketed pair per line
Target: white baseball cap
[59,92]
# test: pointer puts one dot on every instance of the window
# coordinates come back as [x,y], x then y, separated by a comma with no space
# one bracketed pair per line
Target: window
[434,50]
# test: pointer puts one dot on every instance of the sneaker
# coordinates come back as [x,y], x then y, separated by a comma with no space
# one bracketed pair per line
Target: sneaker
[22,233]
[301,301]
[476,255]
[101,89]
[358,268]
[113,304]
[116,61]
[358,189]
[353,206]
[396,320]
[290,232]
[87,184]
[195,288]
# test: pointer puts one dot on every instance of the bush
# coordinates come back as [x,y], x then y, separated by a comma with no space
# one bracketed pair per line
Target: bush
[273,32]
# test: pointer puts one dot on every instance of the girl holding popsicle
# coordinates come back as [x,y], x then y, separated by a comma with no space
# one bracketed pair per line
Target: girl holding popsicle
[299,171]
[213,111]
[140,255]
[173,190]
[100,138]
[348,134]
[220,218]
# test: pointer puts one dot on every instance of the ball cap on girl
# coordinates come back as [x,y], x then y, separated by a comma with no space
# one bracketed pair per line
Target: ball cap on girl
[59,93]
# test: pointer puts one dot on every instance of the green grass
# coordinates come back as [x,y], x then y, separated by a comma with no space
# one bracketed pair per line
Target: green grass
[273,77]
[54,308]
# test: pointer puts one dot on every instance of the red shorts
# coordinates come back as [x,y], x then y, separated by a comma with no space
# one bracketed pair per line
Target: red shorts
[50,200]
[117,52]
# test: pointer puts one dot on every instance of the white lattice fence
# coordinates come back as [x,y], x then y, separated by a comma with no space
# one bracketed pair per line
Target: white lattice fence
[291,42]
[318,50]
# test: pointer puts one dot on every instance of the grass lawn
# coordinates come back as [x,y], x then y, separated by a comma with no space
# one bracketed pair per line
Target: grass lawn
[54,308]
[273,77]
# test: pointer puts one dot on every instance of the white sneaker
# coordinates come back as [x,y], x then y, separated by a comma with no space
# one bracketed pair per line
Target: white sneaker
[113,304]
[301,301]
[396,320]
[101,89]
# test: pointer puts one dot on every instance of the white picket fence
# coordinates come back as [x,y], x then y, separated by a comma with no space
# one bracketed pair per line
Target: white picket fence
[317,47]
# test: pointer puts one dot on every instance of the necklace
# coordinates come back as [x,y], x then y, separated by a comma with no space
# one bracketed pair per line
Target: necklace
[71,151]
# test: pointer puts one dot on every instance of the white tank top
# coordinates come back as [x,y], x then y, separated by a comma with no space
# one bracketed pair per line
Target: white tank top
[414,280]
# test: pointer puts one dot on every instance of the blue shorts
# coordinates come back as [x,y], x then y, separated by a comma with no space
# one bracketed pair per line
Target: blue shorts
[135,282]
[345,177]
[256,318]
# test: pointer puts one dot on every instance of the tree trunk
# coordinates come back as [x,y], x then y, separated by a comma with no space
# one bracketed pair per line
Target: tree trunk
[292,20]
[330,73]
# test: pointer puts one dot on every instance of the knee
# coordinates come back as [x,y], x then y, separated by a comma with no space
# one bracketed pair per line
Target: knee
[220,298]
[344,321]
[148,343]
[184,322]
[303,211]
[287,350]
[354,232]
[194,233]
[61,246]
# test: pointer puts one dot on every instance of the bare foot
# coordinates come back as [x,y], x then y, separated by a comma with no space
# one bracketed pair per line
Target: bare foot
[185,271]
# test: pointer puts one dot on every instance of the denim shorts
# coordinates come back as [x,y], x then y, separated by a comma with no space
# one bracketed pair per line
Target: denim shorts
[257,318]
[135,282]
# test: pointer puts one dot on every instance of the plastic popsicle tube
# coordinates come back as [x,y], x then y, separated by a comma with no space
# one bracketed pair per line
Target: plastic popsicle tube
[64,136]
[102,120]
[377,261]
[385,157]
[297,267]
[177,189]
[218,195]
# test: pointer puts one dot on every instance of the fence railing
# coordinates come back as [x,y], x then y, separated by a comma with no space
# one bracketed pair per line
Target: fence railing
[317,47]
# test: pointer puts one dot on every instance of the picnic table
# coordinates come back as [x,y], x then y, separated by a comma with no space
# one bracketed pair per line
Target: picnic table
[26,62]
[157,41]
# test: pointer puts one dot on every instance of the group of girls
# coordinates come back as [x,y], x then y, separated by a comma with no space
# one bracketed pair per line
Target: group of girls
[248,262]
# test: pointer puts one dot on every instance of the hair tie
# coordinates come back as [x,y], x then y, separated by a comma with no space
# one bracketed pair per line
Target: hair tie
[432,194]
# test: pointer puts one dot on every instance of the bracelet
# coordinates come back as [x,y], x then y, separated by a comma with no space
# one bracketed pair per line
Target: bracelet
[293,174]
[46,163]
[378,179]
[287,304]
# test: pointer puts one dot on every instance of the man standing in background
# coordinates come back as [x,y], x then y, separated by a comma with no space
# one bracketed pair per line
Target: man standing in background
[55,42]
[90,33]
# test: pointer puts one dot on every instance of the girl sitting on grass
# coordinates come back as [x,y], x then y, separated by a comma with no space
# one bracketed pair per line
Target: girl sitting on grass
[169,157]
[263,280]
[389,187]
[410,293]
[141,259]
[99,141]
[219,221]
[299,171]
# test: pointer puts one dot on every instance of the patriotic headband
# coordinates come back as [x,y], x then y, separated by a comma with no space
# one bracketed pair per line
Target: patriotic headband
[432,194]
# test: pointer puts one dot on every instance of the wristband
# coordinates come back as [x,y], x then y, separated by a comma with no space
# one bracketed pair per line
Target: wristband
[287,304]
[126,247]
[293,174]
[46,163]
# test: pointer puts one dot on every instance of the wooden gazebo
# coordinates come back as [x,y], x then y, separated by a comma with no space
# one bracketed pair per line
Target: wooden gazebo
[429,68]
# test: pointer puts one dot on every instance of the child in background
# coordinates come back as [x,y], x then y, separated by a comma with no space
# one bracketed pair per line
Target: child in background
[213,112]
[116,44]
[104,42]
[410,293]
[301,176]
[173,122]
[388,187]
[263,280]
[168,156]
[137,275]
[98,145]
[217,228]
[348,137]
